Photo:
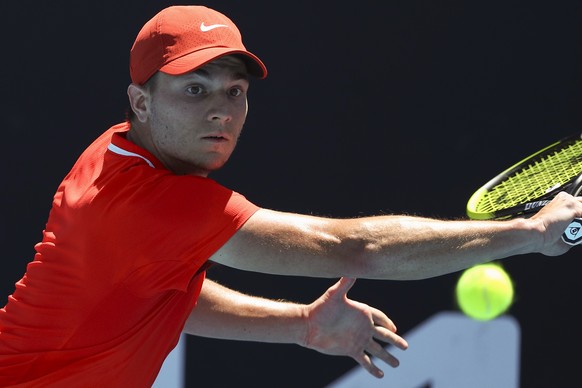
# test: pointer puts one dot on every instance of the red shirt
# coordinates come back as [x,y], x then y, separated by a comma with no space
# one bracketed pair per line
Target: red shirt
[117,272]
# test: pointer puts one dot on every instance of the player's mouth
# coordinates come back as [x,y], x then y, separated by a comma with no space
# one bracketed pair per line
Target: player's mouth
[216,138]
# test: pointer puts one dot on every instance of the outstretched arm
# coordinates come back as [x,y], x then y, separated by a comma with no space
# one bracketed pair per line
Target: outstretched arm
[392,246]
[332,324]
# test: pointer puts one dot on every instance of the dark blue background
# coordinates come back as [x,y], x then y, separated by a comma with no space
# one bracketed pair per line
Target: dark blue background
[371,107]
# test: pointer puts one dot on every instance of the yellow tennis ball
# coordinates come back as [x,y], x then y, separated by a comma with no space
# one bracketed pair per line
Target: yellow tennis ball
[484,291]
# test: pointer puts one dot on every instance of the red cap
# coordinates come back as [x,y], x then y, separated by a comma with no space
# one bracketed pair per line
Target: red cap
[180,39]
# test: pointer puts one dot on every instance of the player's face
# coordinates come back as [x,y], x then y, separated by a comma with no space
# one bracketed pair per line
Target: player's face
[196,119]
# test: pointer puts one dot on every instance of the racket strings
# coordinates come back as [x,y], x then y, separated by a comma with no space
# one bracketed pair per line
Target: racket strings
[550,172]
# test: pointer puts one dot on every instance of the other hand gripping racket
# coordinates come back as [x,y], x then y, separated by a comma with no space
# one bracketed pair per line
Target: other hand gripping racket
[527,186]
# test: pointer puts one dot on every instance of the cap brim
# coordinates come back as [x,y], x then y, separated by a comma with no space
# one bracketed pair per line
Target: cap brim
[193,61]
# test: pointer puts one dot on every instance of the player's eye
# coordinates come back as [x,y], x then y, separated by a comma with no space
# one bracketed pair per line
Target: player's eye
[236,92]
[195,89]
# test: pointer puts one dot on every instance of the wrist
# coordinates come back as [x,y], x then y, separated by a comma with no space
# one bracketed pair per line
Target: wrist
[304,338]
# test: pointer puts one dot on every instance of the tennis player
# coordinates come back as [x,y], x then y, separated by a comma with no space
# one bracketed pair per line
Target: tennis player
[120,272]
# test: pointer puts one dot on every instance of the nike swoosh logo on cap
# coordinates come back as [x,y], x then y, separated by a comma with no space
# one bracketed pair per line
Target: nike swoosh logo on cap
[205,28]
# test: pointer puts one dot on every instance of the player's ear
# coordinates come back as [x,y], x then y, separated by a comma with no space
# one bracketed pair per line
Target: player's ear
[138,98]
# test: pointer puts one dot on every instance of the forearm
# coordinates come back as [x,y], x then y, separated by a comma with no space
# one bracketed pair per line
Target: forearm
[228,314]
[407,248]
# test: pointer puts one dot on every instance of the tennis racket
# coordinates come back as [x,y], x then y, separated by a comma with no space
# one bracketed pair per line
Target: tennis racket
[527,186]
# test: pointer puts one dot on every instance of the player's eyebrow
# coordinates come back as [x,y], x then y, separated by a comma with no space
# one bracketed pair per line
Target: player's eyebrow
[235,76]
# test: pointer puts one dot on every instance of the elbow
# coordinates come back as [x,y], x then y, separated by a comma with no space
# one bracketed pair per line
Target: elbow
[360,260]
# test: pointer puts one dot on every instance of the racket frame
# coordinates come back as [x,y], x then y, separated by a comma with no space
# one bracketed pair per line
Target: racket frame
[573,186]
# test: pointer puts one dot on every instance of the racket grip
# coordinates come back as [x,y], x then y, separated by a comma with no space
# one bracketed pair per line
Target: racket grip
[573,233]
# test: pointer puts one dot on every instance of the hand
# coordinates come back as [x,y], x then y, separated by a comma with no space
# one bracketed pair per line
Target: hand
[343,327]
[555,218]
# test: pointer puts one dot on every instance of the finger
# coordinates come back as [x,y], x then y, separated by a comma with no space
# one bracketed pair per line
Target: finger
[366,362]
[381,319]
[376,350]
[385,335]
[344,285]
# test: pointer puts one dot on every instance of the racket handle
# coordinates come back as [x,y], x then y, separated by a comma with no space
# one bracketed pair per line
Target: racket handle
[573,233]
